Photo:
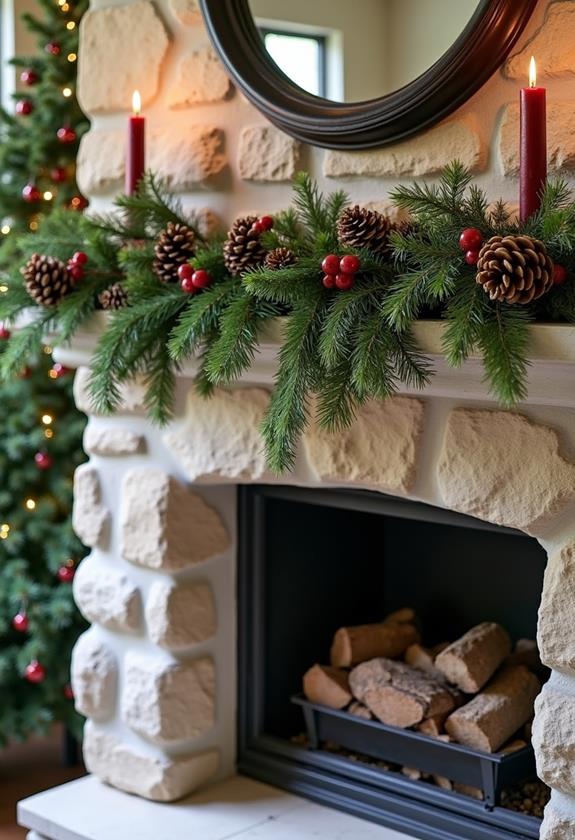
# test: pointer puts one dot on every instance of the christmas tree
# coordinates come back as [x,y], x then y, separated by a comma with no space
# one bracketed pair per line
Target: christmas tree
[40,430]
[39,140]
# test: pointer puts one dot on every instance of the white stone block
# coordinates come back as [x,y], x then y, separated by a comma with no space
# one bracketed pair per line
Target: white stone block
[560,137]
[107,597]
[186,11]
[164,525]
[266,154]
[94,675]
[179,615]
[101,161]
[132,395]
[90,517]
[168,702]
[156,777]
[554,736]
[111,441]
[200,79]
[187,157]
[552,45]
[555,630]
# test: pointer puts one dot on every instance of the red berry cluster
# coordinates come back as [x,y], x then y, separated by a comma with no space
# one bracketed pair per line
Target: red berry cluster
[193,280]
[75,265]
[262,224]
[470,241]
[339,272]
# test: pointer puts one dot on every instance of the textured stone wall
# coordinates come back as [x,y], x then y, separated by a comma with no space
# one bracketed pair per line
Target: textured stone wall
[217,150]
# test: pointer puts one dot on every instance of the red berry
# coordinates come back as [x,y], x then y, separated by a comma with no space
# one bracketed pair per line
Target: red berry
[344,281]
[66,134]
[58,370]
[185,271]
[4,334]
[470,239]
[58,174]
[65,574]
[20,622]
[202,279]
[43,461]
[471,257]
[349,264]
[35,673]
[258,228]
[559,274]
[187,286]
[265,222]
[53,47]
[80,257]
[330,264]
[76,270]
[68,692]
[24,107]
[29,77]
[26,372]
[328,281]
[31,193]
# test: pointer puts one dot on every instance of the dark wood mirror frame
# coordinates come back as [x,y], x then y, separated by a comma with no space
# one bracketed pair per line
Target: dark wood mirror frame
[460,72]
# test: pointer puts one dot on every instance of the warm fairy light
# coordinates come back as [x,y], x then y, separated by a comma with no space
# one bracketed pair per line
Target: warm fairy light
[71,25]
[30,504]
[48,196]
[47,349]
[47,419]
[5,229]
[136,102]
[53,374]
[33,225]
[532,73]
[66,92]
[3,288]
[4,531]
[65,7]
[48,433]
[72,57]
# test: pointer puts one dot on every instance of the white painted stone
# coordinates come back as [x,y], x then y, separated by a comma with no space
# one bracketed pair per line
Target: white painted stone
[500,466]
[380,450]
[267,154]
[200,78]
[156,777]
[186,157]
[121,50]
[94,675]
[186,11]
[425,154]
[559,820]
[220,437]
[168,702]
[101,161]
[107,597]
[207,221]
[164,526]
[132,395]
[554,737]
[89,517]
[180,614]
[560,137]
[552,45]
[111,441]
[555,633]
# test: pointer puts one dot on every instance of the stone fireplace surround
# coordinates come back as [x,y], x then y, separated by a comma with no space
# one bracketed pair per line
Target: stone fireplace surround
[156,675]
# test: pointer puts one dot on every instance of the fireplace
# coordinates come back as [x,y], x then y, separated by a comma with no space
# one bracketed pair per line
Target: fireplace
[311,561]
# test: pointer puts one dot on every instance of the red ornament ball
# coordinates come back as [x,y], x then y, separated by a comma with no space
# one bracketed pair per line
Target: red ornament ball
[29,77]
[53,48]
[349,264]
[328,281]
[31,193]
[68,692]
[471,257]
[65,574]
[559,274]
[330,264]
[201,279]
[35,673]
[43,460]
[58,174]
[185,271]
[187,285]
[24,107]
[470,239]
[20,622]
[4,333]
[344,281]
[66,134]
[58,370]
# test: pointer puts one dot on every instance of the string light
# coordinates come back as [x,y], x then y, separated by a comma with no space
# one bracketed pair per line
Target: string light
[30,504]
[48,196]
[66,92]
[72,57]
[48,433]
[47,349]
[3,288]
[4,531]
[5,229]
[47,419]
[71,24]
[33,225]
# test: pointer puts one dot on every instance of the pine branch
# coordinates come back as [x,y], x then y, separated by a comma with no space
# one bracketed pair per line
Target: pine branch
[199,319]
[465,315]
[373,371]
[504,339]
[337,400]
[160,383]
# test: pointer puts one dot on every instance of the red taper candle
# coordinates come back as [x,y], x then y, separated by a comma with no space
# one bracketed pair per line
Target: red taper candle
[533,146]
[136,157]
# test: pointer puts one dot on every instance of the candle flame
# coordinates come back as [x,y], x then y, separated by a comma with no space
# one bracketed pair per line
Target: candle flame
[532,73]
[136,102]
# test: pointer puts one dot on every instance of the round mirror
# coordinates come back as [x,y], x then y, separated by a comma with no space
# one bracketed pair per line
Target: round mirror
[353,74]
[355,51]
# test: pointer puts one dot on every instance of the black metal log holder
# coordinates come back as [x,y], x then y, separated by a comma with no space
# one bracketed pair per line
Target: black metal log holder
[491,772]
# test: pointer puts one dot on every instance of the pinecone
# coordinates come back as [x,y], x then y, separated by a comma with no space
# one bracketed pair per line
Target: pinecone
[114,297]
[280,258]
[242,248]
[175,246]
[47,279]
[514,269]
[359,227]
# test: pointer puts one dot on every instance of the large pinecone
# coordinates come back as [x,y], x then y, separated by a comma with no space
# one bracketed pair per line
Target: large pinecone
[243,249]
[175,246]
[280,258]
[514,269]
[47,279]
[359,227]
[114,297]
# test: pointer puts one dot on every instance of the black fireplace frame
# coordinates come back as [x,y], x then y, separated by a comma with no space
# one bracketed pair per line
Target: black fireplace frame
[387,798]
